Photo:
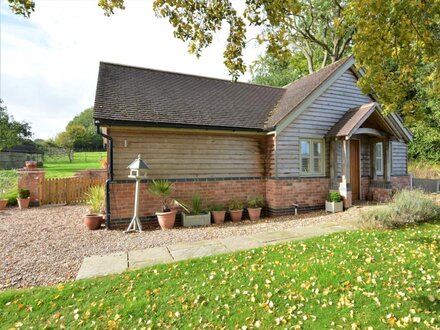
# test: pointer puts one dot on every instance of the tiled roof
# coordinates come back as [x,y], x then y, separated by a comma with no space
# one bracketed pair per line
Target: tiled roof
[151,97]
[351,120]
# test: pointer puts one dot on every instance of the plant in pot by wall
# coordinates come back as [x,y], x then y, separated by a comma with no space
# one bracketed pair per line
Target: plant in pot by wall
[236,210]
[96,201]
[218,214]
[334,202]
[197,216]
[24,198]
[8,189]
[167,215]
[255,203]
[31,164]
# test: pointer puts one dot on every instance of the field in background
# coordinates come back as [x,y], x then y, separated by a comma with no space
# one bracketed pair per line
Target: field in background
[424,170]
[59,166]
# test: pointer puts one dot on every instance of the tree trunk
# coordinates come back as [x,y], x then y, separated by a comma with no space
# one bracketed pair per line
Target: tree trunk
[71,155]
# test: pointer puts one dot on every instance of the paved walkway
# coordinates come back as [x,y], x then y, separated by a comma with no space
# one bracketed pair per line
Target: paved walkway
[119,262]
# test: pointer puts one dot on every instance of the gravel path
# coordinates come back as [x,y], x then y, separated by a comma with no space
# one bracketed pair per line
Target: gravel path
[46,245]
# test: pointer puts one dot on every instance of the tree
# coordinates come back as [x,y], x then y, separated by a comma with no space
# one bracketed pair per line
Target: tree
[91,140]
[11,132]
[69,137]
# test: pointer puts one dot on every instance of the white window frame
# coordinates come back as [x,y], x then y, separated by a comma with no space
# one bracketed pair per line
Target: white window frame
[312,157]
[379,157]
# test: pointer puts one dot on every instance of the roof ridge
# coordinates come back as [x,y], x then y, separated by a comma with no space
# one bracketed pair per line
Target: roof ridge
[189,75]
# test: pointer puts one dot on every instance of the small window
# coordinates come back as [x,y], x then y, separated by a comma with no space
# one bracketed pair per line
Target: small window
[312,157]
[379,158]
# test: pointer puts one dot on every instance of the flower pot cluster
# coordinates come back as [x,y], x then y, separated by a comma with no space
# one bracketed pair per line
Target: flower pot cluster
[196,214]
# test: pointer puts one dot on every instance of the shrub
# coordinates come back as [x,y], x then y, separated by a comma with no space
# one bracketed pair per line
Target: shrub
[96,199]
[24,193]
[334,196]
[255,201]
[235,204]
[217,207]
[196,205]
[406,208]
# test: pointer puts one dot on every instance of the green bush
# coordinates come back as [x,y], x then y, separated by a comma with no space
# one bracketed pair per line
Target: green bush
[334,196]
[235,204]
[255,201]
[23,193]
[217,207]
[406,208]
[197,205]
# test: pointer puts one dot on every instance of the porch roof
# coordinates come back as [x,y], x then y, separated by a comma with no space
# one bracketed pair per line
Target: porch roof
[355,117]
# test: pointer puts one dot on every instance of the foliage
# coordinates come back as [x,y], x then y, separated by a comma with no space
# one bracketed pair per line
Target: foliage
[255,201]
[334,196]
[59,166]
[12,132]
[163,189]
[197,205]
[23,193]
[217,207]
[69,137]
[424,169]
[393,40]
[96,199]
[370,279]
[235,204]
[8,185]
[406,208]
[91,139]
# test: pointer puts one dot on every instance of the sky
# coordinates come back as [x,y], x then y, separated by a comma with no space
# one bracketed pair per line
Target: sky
[49,63]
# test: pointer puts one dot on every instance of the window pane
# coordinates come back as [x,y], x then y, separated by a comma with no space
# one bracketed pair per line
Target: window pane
[305,165]
[379,150]
[305,148]
[378,165]
[317,149]
[317,165]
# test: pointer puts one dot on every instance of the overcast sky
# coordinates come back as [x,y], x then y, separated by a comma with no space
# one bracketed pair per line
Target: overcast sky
[49,63]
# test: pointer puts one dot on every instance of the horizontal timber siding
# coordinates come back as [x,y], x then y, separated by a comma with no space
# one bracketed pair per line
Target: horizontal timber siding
[399,158]
[315,122]
[189,155]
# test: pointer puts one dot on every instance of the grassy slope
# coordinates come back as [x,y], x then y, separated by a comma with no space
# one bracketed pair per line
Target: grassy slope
[59,167]
[363,278]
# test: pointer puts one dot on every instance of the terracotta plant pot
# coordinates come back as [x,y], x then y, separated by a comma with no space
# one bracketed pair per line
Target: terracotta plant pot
[254,213]
[3,203]
[103,218]
[166,219]
[93,221]
[236,215]
[218,216]
[23,203]
[31,164]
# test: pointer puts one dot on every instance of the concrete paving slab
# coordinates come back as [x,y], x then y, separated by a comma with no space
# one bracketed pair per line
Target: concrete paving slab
[148,257]
[274,236]
[199,251]
[236,243]
[186,245]
[101,265]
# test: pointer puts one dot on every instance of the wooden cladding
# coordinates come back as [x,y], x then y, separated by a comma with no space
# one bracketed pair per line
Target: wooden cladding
[172,154]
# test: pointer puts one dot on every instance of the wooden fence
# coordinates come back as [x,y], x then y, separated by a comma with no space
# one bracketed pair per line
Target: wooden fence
[66,190]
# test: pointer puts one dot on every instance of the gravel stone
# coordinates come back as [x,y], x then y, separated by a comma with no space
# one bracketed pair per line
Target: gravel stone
[46,245]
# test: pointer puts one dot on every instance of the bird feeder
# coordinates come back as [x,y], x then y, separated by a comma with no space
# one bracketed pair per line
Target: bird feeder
[138,171]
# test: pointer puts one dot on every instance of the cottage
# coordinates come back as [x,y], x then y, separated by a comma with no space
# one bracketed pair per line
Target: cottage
[228,140]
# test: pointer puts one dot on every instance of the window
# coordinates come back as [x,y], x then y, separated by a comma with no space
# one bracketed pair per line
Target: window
[312,157]
[379,158]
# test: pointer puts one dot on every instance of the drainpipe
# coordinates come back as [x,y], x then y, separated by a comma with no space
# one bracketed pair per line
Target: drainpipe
[109,174]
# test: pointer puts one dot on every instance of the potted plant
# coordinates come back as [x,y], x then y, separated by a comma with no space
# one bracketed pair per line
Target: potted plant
[31,164]
[167,216]
[7,187]
[334,202]
[236,210]
[218,214]
[24,198]
[95,201]
[255,203]
[197,216]
[3,200]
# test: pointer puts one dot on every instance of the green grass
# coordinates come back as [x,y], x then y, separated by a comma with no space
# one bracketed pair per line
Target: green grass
[347,280]
[59,167]
[8,182]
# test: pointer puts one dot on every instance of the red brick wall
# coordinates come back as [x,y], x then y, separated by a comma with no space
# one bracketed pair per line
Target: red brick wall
[30,179]
[365,185]
[400,182]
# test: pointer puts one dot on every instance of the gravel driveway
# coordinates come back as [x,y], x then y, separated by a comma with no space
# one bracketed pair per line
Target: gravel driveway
[46,245]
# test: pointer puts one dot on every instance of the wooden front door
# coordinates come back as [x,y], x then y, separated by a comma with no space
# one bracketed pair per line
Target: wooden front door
[354,170]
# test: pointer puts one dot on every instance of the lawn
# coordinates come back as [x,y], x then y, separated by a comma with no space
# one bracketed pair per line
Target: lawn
[59,166]
[363,279]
